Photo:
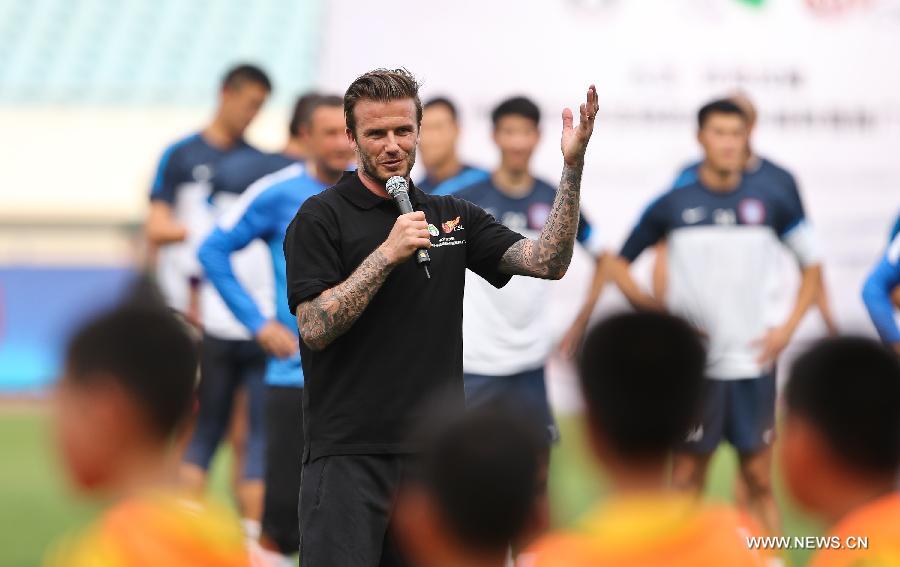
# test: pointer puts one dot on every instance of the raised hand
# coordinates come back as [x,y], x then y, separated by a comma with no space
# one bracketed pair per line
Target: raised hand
[575,138]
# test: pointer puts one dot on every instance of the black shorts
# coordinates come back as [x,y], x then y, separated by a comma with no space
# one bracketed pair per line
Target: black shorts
[346,506]
[740,411]
[284,452]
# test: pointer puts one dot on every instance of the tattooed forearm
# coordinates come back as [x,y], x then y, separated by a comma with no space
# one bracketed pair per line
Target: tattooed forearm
[549,255]
[326,317]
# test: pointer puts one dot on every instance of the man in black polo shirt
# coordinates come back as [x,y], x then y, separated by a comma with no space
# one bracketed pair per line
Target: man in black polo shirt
[378,339]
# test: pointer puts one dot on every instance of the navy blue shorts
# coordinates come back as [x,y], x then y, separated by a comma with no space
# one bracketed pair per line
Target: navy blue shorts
[526,391]
[225,366]
[740,411]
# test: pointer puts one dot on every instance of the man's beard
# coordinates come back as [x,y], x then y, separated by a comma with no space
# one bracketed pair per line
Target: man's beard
[368,166]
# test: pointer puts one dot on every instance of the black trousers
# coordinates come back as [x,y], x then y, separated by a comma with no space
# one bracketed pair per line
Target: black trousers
[346,508]
[284,454]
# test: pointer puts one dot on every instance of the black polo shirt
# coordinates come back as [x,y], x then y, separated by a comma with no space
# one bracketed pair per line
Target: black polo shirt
[364,391]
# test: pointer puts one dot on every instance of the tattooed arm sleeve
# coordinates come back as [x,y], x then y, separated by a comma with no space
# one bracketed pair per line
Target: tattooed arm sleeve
[549,255]
[327,316]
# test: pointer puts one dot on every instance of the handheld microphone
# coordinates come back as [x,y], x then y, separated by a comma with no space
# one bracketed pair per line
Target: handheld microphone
[398,189]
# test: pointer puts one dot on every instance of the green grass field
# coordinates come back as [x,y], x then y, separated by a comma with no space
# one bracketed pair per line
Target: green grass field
[36,507]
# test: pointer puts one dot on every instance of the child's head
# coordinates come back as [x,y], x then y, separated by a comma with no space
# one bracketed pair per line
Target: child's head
[127,386]
[641,376]
[474,492]
[842,428]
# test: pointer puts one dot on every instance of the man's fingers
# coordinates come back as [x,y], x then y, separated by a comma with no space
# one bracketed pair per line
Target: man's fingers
[417,232]
[286,347]
[591,107]
[567,118]
[415,216]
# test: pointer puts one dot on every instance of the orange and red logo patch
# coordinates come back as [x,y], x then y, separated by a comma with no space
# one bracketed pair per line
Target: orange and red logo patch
[450,225]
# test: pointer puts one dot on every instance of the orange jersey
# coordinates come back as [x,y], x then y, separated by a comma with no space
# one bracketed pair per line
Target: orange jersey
[159,530]
[670,530]
[879,524]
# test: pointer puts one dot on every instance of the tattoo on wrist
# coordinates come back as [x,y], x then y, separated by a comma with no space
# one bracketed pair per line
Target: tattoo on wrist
[549,255]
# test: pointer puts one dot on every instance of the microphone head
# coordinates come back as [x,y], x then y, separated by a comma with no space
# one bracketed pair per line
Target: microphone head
[396,184]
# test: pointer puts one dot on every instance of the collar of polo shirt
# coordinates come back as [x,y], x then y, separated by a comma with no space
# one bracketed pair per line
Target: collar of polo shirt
[358,194]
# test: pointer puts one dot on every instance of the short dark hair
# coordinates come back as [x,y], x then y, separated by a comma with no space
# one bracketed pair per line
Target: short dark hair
[382,85]
[443,101]
[641,375]
[302,112]
[849,389]
[718,106]
[307,105]
[246,73]
[147,351]
[482,471]
[517,106]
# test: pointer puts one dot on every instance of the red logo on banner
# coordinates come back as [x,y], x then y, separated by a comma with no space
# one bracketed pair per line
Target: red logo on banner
[836,7]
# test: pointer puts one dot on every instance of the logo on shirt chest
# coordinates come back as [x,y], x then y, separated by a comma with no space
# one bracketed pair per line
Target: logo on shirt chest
[538,213]
[724,216]
[449,227]
[751,211]
[202,173]
[693,215]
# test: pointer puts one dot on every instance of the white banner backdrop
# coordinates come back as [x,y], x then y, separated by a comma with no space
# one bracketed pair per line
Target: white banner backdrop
[824,74]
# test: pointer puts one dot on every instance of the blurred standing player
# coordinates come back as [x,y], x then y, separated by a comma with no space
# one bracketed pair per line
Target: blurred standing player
[262,214]
[877,292]
[840,450]
[721,232]
[179,217]
[445,173]
[125,396]
[235,363]
[763,171]
[506,341]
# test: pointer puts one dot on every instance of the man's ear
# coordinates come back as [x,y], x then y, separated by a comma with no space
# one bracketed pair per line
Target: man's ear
[351,138]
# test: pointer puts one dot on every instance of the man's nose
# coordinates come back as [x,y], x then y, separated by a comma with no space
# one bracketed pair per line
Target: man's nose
[392,146]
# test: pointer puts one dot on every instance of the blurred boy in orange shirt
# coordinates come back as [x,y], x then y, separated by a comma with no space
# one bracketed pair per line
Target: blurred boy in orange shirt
[641,376]
[840,448]
[126,390]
